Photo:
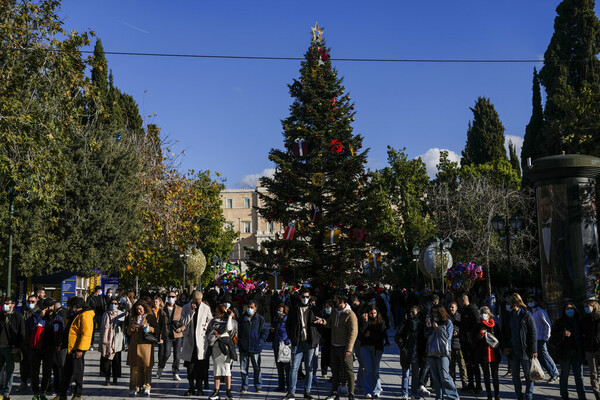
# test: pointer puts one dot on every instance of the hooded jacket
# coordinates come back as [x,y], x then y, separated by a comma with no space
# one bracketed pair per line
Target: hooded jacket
[344,328]
[293,326]
[590,332]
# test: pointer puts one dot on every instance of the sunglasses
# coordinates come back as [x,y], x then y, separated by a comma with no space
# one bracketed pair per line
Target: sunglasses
[31,302]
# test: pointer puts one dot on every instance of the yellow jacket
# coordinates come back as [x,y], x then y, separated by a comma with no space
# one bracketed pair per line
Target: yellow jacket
[81,331]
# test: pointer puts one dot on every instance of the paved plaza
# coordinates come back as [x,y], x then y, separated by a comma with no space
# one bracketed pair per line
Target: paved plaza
[166,388]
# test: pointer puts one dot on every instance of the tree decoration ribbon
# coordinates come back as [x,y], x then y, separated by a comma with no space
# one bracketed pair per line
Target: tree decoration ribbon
[316,212]
[333,234]
[289,231]
[300,147]
[324,55]
[374,256]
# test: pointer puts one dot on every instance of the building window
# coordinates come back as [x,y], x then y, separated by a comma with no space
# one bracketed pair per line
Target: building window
[246,202]
[228,203]
[270,226]
[232,255]
[246,227]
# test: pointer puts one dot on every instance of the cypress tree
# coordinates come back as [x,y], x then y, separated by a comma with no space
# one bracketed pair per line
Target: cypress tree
[513,158]
[571,77]
[533,141]
[485,135]
[100,69]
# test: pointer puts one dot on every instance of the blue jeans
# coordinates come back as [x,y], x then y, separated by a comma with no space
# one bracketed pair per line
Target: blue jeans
[515,364]
[371,359]
[244,364]
[545,360]
[303,349]
[571,361]
[406,374]
[443,384]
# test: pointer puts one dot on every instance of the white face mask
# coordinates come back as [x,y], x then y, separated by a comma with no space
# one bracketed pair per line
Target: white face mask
[171,300]
[305,300]
[6,307]
[227,305]
[485,316]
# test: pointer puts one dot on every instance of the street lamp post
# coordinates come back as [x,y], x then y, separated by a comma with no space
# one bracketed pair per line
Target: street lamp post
[445,244]
[416,251]
[11,213]
[501,227]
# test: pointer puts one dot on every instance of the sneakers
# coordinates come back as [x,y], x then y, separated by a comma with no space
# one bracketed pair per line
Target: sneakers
[132,393]
[159,373]
[308,396]
[423,391]
[289,396]
[146,392]
[243,391]
[214,395]
[228,394]
[176,377]
[333,396]
[553,379]
[368,396]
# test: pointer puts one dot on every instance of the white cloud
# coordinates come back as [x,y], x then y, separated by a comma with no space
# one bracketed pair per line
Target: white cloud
[431,158]
[252,179]
[516,140]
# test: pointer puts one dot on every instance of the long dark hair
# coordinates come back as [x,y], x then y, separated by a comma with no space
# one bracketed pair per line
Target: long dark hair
[378,318]
[443,315]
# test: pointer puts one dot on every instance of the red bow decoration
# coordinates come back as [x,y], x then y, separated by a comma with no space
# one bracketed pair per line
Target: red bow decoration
[324,55]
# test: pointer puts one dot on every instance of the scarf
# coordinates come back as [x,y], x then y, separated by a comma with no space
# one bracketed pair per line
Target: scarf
[490,355]
[108,334]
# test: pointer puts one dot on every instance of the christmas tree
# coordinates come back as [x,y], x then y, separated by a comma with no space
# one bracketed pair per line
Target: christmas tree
[320,191]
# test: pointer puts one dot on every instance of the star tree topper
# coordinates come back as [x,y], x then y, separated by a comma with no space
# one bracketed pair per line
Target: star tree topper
[316,30]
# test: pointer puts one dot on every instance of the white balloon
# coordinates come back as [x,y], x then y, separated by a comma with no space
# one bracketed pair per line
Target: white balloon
[435,264]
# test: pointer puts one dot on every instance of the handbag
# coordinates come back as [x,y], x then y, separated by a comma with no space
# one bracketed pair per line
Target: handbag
[284,355]
[491,340]
[536,373]
[149,337]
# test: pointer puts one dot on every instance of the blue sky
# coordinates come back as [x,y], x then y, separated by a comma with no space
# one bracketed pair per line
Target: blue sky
[226,113]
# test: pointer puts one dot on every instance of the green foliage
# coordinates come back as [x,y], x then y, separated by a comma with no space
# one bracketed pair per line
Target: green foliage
[533,141]
[499,174]
[513,158]
[485,136]
[448,171]
[320,113]
[571,77]
[405,184]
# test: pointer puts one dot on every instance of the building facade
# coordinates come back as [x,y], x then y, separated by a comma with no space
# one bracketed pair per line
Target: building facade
[240,209]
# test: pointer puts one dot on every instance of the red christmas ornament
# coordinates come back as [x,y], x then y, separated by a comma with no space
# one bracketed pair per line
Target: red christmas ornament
[308,111]
[316,135]
[290,200]
[336,146]
[270,158]
[352,107]
[340,224]
[286,172]
[320,84]
[332,119]
[357,234]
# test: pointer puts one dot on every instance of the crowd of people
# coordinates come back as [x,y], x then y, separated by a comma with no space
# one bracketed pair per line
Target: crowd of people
[308,329]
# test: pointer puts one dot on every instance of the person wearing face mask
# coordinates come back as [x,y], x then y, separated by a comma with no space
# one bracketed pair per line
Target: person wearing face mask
[280,335]
[252,335]
[304,336]
[590,335]
[410,338]
[439,329]
[140,356]
[195,317]
[519,342]
[42,347]
[30,308]
[12,335]
[112,339]
[358,307]
[469,327]
[344,331]
[566,339]
[77,339]
[163,330]
[58,326]
[172,343]
[325,340]
[372,333]
[96,302]
[543,327]
[489,357]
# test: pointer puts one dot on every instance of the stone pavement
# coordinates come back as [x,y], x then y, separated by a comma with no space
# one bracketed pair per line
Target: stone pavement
[166,388]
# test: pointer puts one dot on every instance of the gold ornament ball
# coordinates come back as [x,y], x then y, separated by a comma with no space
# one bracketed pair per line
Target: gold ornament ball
[352,119]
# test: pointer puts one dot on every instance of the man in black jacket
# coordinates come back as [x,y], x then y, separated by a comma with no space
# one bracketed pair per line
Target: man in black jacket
[31,307]
[456,355]
[305,337]
[97,303]
[521,344]
[12,334]
[469,328]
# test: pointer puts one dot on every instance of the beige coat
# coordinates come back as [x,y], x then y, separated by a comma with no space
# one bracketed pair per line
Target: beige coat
[344,328]
[187,320]
[141,353]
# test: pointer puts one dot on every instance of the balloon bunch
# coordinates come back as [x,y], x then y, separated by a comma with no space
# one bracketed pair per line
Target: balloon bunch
[231,277]
[464,275]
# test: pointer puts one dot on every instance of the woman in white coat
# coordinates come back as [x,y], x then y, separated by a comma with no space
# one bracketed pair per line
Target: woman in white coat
[195,317]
